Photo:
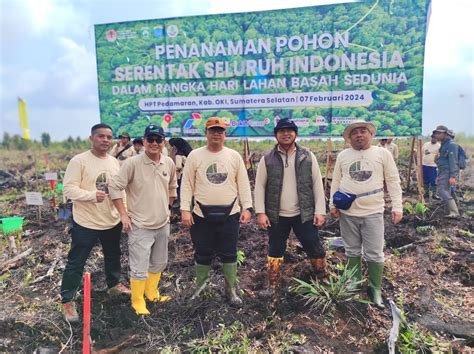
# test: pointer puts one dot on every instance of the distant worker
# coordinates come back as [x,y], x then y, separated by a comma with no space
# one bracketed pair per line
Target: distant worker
[138,148]
[390,146]
[289,195]
[95,218]
[181,150]
[123,149]
[149,180]
[217,179]
[357,199]
[448,168]
[430,154]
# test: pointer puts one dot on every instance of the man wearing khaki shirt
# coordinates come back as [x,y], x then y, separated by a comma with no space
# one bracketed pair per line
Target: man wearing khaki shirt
[150,184]
[289,194]
[217,179]
[94,217]
[361,171]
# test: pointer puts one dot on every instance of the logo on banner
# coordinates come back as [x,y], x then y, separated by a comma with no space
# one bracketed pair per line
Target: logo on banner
[188,124]
[168,118]
[172,31]
[320,120]
[158,32]
[111,35]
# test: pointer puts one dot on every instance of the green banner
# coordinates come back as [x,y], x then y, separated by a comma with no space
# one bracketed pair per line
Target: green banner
[322,66]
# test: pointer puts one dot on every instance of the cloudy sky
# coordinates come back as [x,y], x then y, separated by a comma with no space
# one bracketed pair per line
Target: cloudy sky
[48,58]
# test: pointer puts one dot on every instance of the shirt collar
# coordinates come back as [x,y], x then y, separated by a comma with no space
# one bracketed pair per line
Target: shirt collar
[281,151]
[148,161]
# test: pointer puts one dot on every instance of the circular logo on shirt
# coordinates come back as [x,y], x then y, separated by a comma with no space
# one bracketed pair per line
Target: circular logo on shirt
[361,170]
[216,173]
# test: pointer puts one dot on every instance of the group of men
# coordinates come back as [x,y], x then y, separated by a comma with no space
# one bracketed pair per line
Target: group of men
[215,199]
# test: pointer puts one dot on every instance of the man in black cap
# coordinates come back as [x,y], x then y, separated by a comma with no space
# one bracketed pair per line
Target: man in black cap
[289,194]
[149,180]
[448,168]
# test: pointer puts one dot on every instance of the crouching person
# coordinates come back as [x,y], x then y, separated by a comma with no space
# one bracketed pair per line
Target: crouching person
[289,194]
[360,172]
[217,179]
[149,180]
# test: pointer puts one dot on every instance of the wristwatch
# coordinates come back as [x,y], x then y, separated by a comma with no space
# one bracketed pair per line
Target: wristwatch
[250,210]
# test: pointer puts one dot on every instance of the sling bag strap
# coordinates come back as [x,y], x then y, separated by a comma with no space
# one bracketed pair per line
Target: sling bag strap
[370,193]
[128,146]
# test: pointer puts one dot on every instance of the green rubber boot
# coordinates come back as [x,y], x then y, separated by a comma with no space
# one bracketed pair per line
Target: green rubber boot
[374,288]
[202,276]
[230,275]
[355,263]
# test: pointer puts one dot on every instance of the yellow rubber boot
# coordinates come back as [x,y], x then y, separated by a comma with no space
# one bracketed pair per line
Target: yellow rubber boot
[138,299]
[151,288]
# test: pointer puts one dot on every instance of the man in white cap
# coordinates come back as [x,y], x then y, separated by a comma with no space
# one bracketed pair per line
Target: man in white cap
[360,173]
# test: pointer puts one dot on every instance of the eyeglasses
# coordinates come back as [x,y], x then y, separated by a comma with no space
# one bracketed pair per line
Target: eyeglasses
[216,130]
[151,139]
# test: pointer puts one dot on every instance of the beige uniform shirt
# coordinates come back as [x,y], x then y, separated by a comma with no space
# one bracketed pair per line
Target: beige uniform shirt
[430,152]
[180,161]
[124,155]
[148,186]
[289,201]
[361,171]
[215,178]
[392,148]
[85,174]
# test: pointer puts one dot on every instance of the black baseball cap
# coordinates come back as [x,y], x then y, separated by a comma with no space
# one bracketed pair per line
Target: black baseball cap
[154,130]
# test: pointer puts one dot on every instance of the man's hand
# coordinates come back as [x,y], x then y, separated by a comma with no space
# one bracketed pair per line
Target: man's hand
[263,221]
[335,213]
[126,222]
[245,217]
[452,181]
[319,220]
[396,216]
[187,218]
[100,196]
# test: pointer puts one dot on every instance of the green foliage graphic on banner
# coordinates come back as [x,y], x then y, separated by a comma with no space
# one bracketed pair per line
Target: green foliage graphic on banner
[322,66]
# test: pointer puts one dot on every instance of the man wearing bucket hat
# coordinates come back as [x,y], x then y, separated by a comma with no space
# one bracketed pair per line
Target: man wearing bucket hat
[357,198]
[149,180]
[448,168]
[94,217]
[289,194]
[215,176]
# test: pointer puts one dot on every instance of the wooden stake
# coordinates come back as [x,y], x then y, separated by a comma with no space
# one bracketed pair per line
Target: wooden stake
[420,171]
[328,164]
[407,188]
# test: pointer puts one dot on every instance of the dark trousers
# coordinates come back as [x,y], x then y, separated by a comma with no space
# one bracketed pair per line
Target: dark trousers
[215,239]
[430,174]
[306,233]
[83,240]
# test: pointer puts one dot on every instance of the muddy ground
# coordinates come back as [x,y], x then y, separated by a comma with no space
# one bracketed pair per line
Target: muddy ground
[430,276]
